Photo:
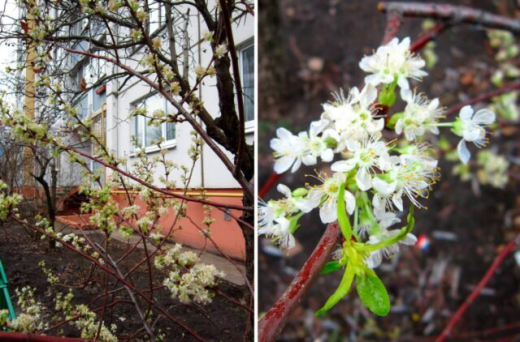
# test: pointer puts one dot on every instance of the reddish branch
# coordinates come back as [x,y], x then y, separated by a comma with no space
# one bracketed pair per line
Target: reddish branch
[393,22]
[456,14]
[427,37]
[273,179]
[274,320]
[487,277]
[10,336]
[484,97]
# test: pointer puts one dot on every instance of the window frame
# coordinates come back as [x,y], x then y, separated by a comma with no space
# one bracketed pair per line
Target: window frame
[168,144]
[250,124]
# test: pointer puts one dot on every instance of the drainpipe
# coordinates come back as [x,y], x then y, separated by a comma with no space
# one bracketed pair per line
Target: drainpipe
[200,97]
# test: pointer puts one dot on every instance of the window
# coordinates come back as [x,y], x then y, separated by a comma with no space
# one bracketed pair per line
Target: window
[98,128]
[247,57]
[147,135]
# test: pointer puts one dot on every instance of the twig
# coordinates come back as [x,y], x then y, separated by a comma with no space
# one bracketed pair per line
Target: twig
[275,318]
[10,336]
[273,179]
[487,277]
[428,36]
[457,14]
[393,22]
[484,97]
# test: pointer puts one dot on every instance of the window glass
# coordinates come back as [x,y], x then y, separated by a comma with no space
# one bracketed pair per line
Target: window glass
[146,134]
[153,133]
[248,82]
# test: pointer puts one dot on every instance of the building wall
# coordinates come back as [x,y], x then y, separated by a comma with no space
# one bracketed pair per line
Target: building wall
[209,171]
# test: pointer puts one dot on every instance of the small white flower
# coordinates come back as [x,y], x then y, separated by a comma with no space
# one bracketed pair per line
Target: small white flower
[279,232]
[220,50]
[385,220]
[354,117]
[287,151]
[326,196]
[306,147]
[393,61]
[366,156]
[314,145]
[473,129]
[419,116]
[411,175]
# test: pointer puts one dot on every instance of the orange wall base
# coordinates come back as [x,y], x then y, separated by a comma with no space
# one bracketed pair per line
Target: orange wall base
[226,234]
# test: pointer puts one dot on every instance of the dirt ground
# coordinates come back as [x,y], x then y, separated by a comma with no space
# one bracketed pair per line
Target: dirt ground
[20,254]
[322,43]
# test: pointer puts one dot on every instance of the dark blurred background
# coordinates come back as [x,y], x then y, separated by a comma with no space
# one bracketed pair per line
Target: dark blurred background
[309,49]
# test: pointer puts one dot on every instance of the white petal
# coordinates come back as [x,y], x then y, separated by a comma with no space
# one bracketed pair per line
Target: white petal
[309,159]
[403,82]
[283,164]
[409,240]
[473,133]
[407,95]
[350,201]
[353,145]
[328,212]
[374,79]
[463,151]
[343,165]
[363,179]
[398,201]
[327,155]
[284,189]
[465,113]
[296,165]
[317,127]
[382,187]
[374,259]
[484,116]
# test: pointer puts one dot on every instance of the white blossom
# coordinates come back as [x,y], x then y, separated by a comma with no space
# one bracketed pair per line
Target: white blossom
[419,116]
[473,129]
[366,155]
[385,220]
[391,62]
[326,197]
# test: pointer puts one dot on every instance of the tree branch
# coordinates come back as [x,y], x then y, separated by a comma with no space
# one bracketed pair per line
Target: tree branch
[274,320]
[458,14]
[487,277]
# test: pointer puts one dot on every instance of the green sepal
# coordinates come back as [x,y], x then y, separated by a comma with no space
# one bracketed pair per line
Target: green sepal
[331,142]
[387,97]
[341,291]
[393,120]
[331,266]
[372,292]
[300,192]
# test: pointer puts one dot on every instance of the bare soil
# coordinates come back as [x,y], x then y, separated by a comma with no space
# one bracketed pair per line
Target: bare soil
[21,253]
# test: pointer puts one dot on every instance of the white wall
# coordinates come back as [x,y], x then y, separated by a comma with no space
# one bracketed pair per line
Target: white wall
[213,173]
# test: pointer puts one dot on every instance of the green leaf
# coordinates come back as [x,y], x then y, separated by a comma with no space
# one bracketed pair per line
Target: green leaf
[341,291]
[343,221]
[372,293]
[331,266]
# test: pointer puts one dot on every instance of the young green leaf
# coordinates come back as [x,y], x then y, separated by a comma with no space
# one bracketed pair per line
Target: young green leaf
[343,221]
[372,293]
[341,291]
[331,266]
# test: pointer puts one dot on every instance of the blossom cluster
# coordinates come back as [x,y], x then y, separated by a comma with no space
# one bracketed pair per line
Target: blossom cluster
[372,175]
[189,279]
